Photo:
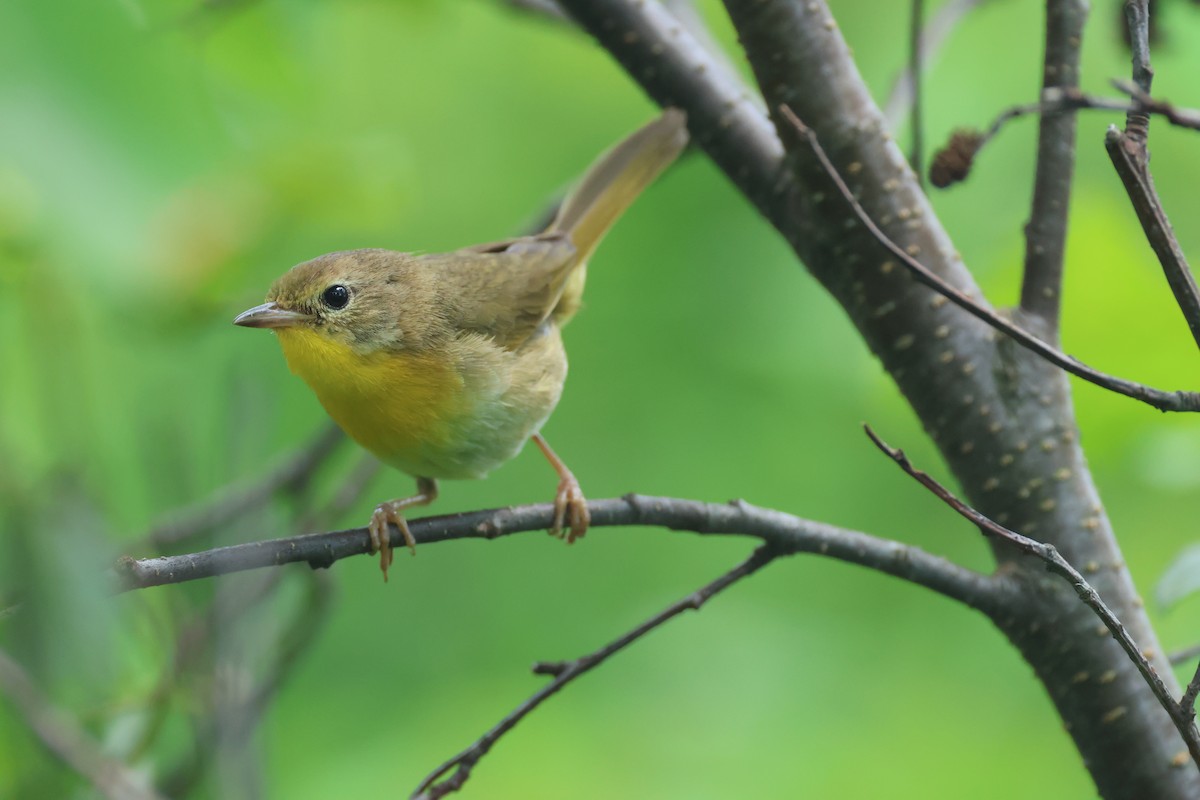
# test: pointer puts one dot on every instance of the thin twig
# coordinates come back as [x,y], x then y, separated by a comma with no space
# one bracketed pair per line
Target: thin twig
[935,33]
[1046,231]
[1139,185]
[64,738]
[344,497]
[234,500]
[1187,703]
[776,528]
[916,26]
[243,716]
[1055,100]
[1130,156]
[966,143]
[565,672]
[1137,20]
[1059,566]
[1164,401]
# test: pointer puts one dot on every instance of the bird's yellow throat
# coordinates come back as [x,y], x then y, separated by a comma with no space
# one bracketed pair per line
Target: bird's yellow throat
[394,403]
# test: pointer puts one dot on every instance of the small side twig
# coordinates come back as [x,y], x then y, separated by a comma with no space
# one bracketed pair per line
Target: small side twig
[1130,156]
[1137,21]
[63,737]
[235,500]
[565,672]
[1187,704]
[933,35]
[1056,100]
[1059,566]
[916,31]
[1162,400]
[1125,153]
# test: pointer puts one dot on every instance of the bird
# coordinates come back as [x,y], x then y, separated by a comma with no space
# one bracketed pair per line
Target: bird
[443,365]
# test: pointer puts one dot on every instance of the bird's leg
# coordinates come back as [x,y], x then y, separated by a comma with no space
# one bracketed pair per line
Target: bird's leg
[570,506]
[392,512]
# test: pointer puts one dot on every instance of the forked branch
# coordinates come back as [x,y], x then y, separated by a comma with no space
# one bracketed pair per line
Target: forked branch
[1162,400]
[566,671]
[1055,563]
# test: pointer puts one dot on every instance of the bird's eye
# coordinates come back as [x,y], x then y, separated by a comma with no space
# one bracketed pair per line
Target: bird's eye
[336,296]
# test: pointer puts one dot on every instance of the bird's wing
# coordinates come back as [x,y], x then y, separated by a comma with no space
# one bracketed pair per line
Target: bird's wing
[507,289]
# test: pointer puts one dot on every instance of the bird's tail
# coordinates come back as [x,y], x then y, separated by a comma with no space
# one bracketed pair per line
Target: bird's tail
[608,187]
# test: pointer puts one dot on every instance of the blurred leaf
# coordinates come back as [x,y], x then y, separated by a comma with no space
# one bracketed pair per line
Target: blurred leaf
[1180,579]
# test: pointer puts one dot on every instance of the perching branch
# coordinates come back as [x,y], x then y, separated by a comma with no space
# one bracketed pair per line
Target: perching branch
[565,672]
[1163,401]
[776,528]
[1060,566]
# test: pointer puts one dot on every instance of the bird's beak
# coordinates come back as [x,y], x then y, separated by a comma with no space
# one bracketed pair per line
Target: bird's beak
[269,315]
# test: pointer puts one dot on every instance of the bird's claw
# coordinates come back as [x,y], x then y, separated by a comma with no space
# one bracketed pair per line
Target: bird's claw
[570,509]
[381,537]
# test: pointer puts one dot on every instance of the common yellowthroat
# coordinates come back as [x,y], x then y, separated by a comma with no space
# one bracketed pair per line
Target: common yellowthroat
[444,364]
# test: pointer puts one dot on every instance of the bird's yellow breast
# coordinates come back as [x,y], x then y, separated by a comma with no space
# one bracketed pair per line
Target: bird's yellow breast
[401,406]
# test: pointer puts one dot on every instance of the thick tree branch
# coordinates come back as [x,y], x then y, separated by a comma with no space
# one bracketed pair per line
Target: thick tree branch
[1061,567]
[1163,401]
[1046,231]
[983,399]
[565,672]
[783,531]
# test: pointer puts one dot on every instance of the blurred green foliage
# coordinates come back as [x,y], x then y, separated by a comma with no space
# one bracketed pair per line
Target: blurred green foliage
[162,162]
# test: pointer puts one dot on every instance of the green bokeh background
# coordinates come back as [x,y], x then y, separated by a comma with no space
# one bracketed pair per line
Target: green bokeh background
[162,162]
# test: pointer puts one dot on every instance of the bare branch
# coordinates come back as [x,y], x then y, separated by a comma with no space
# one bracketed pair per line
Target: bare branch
[565,672]
[1187,703]
[66,740]
[1164,401]
[1125,152]
[1053,100]
[1061,567]
[1046,231]
[776,528]
[1137,21]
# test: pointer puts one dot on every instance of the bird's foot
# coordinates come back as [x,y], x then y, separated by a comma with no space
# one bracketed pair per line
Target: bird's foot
[381,537]
[570,510]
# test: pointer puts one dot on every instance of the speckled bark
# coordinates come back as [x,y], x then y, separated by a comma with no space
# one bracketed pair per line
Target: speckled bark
[1002,418]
